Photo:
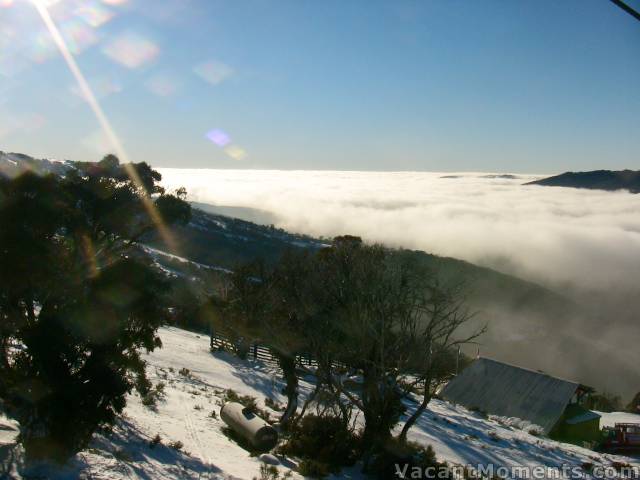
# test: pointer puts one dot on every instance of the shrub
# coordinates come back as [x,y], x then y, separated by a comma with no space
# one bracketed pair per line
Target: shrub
[479,412]
[149,400]
[313,469]
[150,396]
[177,445]
[397,457]
[620,467]
[273,404]
[587,467]
[268,472]
[322,440]
[535,431]
[122,455]
[155,441]
[248,402]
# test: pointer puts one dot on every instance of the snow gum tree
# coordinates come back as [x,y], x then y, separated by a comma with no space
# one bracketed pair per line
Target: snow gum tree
[394,322]
[77,304]
[366,308]
[270,306]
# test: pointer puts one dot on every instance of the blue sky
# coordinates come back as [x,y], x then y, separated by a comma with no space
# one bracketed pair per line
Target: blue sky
[448,85]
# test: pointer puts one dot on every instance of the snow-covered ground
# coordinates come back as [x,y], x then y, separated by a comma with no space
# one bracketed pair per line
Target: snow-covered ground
[610,419]
[184,414]
[155,253]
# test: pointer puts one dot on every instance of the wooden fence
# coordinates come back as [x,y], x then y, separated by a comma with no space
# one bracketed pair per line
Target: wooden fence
[257,352]
[261,353]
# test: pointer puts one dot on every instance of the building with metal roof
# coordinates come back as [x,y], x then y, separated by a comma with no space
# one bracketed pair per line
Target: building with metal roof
[506,390]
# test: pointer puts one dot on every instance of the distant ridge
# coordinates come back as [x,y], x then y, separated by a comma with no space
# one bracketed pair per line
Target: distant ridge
[14,164]
[595,180]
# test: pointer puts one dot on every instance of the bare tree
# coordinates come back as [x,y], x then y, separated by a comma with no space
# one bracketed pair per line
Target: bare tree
[433,333]
[392,320]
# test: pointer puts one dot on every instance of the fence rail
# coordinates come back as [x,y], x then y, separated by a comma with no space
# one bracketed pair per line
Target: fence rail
[262,353]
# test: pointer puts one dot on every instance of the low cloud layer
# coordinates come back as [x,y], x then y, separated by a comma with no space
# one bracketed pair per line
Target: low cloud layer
[554,236]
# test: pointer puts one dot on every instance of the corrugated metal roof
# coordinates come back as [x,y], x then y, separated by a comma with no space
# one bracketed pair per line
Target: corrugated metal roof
[585,417]
[506,390]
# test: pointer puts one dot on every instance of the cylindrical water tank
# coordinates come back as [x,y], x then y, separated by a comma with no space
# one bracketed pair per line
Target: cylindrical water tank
[249,426]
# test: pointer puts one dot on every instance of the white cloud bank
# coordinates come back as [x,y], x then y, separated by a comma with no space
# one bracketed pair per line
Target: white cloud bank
[585,238]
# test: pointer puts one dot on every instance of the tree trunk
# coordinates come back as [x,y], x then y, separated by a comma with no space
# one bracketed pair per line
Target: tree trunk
[378,421]
[376,430]
[375,436]
[306,404]
[288,365]
[414,417]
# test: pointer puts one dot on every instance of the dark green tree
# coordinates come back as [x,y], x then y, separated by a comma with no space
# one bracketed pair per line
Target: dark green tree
[634,405]
[77,301]
[603,402]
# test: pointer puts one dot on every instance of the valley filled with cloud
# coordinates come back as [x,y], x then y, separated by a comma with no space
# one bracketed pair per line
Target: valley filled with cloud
[581,244]
[550,235]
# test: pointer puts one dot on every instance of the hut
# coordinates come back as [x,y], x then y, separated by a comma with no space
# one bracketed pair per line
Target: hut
[552,403]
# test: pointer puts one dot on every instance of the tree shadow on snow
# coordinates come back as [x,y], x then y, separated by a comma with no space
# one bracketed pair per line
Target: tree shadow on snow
[127,451]
[255,374]
[471,440]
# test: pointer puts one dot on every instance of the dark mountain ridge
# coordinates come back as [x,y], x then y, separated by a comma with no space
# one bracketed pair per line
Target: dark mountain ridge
[595,180]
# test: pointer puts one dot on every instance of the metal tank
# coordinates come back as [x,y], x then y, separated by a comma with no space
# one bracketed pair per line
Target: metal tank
[249,426]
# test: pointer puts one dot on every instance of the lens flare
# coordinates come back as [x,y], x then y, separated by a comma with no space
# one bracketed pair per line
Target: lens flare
[235,152]
[41,47]
[78,36]
[213,72]
[103,121]
[94,14]
[161,85]
[89,253]
[102,87]
[131,50]
[218,137]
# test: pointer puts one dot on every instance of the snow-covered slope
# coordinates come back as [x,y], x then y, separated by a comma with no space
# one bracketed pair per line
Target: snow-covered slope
[184,415]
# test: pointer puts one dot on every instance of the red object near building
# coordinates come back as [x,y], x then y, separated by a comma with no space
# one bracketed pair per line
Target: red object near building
[623,438]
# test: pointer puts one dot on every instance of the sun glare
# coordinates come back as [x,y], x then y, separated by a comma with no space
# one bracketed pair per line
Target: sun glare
[88,94]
